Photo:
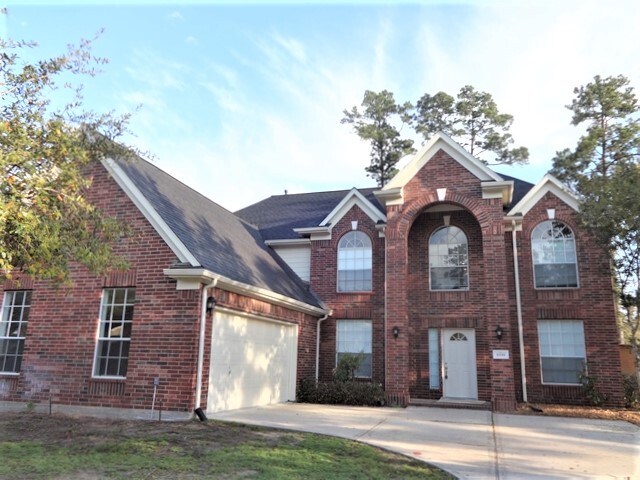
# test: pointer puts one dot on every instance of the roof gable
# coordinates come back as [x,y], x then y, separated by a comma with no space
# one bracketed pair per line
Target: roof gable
[492,184]
[203,234]
[351,199]
[441,141]
[547,184]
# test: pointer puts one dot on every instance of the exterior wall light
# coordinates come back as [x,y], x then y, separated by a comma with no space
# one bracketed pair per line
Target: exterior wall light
[211,303]
[499,332]
[396,331]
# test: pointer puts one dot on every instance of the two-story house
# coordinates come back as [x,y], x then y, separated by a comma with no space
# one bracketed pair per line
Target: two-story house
[453,281]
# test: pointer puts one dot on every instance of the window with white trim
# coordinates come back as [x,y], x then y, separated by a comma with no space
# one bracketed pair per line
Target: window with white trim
[354,262]
[114,335]
[448,259]
[13,329]
[355,337]
[562,350]
[553,249]
[434,358]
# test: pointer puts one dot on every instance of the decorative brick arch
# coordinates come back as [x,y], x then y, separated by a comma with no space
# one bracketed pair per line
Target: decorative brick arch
[489,215]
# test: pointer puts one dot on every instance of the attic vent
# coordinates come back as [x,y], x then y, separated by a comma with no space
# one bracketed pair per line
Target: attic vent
[442,194]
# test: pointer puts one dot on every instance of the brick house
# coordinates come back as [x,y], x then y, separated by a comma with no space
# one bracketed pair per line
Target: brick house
[454,283]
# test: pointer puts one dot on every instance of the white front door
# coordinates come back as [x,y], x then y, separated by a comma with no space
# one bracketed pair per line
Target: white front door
[459,363]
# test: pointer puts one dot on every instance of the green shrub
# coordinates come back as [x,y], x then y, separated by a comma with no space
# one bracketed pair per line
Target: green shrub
[348,365]
[337,392]
[591,390]
[631,391]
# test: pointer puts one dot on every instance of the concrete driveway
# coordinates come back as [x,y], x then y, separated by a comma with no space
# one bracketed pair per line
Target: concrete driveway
[471,443]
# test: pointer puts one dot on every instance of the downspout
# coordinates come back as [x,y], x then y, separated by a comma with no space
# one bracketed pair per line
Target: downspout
[203,325]
[516,271]
[386,371]
[320,320]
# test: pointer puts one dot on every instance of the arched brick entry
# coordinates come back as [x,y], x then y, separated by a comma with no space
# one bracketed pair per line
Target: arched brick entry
[483,307]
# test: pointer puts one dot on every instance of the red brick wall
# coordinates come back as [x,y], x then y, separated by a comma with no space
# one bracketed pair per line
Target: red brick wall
[61,334]
[360,305]
[414,308]
[592,302]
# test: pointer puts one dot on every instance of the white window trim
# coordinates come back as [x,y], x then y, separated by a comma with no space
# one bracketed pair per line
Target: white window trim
[540,356]
[465,289]
[370,322]
[99,339]
[338,264]
[533,264]
[4,299]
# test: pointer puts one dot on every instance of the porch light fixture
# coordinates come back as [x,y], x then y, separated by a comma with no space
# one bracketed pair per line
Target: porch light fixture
[499,332]
[396,331]
[211,303]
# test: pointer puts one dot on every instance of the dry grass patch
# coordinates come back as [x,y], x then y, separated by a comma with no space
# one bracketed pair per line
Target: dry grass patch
[627,415]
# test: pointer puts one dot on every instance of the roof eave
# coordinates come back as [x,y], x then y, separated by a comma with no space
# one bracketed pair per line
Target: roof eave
[192,278]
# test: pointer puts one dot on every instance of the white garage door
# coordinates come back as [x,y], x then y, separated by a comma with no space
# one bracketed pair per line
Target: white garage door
[253,362]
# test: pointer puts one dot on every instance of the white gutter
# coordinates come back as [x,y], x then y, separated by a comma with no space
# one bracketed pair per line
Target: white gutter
[203,324]
[385,311]
[516,271]
[320,320]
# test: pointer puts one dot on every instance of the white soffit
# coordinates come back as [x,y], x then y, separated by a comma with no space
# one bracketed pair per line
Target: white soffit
[351,199]
[150,213]
[548,183]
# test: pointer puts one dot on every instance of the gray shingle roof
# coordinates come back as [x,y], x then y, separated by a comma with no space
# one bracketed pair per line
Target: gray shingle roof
[221,241]
[278,215]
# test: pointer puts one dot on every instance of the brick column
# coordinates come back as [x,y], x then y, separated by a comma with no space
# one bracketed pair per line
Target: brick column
[497,310]
[397,349]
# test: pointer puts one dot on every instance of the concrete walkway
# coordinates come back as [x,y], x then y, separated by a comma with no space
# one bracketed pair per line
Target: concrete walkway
[471,443]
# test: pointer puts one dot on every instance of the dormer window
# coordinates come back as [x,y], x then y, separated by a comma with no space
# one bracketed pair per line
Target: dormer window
[354,262]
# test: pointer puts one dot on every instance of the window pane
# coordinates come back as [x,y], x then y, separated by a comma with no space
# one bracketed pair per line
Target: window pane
[354,262]
[554,255]
[112,350]
[13,329]
[562,350]
[434,359]
[448,259]
[355,336]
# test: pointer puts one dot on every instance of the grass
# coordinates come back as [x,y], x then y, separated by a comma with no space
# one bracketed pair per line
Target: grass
[36,446]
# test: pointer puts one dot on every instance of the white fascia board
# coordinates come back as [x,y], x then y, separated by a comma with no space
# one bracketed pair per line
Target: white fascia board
[451,147]
[196,276]
[354,197]
[315,233]
[548,183]
[151,214]
[392,196]
[503,190]
[288,242]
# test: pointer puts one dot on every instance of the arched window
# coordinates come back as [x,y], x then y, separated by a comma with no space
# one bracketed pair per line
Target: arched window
[448,259]
[553,248]
[354,262]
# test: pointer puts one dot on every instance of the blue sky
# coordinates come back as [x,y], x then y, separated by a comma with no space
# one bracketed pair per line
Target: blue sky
[243,100]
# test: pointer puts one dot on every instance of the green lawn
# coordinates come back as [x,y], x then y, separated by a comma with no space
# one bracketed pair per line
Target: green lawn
[41,446]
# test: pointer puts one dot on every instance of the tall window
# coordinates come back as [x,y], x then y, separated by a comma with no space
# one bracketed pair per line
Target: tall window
[448,259]
[554,255]
[13,329]
[354,262]
[355,337]
[562,351]
[114,336]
